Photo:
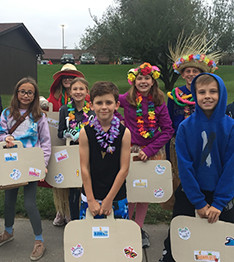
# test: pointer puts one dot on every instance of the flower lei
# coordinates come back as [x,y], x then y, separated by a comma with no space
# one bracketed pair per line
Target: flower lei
[151,117]
[199,58]
[72,119]
[144,69]
[106,139]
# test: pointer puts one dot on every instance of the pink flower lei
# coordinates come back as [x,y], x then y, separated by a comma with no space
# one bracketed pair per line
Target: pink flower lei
[106,139]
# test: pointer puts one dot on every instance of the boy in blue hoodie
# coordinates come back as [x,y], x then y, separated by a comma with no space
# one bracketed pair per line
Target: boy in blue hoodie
[205,157]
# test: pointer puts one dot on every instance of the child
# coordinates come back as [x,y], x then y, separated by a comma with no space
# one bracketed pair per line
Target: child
[189,60]
[59,94]
[72,117]
[205,162]
[230,110]
[33,132]
[104,156]
[145,113]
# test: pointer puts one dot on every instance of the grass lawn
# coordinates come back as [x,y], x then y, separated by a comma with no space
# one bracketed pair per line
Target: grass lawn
[93,73]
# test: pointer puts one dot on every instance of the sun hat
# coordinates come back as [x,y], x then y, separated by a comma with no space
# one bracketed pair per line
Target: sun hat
[194,51]
[68,70]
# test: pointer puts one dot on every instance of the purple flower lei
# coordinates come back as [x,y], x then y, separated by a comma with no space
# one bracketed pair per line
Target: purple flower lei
[106,139]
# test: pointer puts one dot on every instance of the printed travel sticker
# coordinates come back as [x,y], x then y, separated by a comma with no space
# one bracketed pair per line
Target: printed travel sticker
[53,122]
[61,155]
[34,172]
[140,183]
[130,252]
[11,157]
[184,233]
[160,169]
[16,174]
[159,193]
[230,241]
[100,232]
[205,256]
[59,178]
[77,251]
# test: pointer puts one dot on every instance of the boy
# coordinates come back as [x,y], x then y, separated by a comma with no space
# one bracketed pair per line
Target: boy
[104,156]
[206,161]
[189,60]
[230,110]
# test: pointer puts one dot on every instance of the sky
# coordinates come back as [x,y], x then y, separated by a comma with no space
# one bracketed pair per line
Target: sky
[44,18]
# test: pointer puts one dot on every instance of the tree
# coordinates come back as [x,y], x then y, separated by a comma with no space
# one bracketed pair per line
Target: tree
[144,28]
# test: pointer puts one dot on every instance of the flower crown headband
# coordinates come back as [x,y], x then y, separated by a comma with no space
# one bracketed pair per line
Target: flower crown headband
[144,69]
[192,51]
[200,61]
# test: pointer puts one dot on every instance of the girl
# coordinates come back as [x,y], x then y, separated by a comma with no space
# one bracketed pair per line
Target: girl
[145,113]
[59,94]
[33,132]
[59,88]
[72,117]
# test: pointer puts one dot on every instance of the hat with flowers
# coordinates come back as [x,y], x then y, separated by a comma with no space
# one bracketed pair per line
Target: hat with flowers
[144,69]
[193,51]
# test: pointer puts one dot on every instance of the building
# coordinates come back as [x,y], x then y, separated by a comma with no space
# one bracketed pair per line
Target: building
[19,52]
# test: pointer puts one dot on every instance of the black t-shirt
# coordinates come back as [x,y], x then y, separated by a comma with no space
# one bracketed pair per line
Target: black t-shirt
[103,170]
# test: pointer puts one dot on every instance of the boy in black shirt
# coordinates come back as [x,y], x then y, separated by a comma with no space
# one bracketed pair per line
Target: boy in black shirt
[104,156]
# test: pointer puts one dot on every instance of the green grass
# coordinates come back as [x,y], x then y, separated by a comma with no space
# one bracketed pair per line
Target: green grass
[93,73]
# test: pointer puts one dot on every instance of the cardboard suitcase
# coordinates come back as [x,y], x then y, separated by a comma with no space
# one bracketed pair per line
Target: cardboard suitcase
[64,166]
[53,121]
[194,239]
[20,165]
[149,181]
[108,239]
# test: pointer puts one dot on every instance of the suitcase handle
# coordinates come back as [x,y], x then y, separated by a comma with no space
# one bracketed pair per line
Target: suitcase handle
[68,141]
[16,142]
[90,217]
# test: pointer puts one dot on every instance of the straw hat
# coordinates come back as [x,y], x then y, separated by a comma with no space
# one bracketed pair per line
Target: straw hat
[193,51]
[68,70]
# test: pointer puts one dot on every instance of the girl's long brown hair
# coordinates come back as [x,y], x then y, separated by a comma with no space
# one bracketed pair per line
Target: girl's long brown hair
[157,94]
[34,107]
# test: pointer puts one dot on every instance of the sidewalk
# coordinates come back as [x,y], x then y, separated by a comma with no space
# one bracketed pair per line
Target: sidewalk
[20,248]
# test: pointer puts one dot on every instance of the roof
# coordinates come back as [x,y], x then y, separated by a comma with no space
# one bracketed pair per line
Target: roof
[54,54]
[6,28]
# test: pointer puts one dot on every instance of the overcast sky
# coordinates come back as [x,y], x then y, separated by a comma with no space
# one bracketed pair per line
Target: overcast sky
[44,18]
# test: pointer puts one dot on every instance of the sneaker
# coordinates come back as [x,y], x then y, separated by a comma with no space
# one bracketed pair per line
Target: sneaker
[165,257]
[59,220]
[145,239]
[5,237]
[38,250]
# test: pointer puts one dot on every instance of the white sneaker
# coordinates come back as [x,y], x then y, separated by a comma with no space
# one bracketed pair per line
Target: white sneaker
[59,220]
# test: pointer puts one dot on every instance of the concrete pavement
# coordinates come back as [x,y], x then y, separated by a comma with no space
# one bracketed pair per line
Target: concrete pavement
[21,247]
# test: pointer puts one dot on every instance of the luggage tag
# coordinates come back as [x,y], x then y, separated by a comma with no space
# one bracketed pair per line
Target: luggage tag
[64,166]
[194,239]
[106,240]
[149,181]
[20,165]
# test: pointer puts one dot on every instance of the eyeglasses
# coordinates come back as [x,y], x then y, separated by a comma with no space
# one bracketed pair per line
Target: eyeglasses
[28,93]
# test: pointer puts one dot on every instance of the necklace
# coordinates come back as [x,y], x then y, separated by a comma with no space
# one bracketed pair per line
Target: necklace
[185,101]
[151,117]
[106,139]
[72,119]
[180,98]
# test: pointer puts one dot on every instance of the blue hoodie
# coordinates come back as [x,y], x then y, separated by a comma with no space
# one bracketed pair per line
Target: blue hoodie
[205,151]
